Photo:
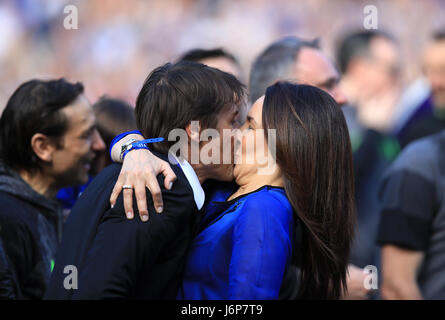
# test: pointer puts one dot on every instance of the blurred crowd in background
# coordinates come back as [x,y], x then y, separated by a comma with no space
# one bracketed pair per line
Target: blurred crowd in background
[121,41]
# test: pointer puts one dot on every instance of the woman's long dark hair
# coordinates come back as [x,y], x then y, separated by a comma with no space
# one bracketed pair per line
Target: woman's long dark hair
[313,152]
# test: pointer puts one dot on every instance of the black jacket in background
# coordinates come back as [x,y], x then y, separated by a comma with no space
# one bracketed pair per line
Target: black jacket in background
[120,258]
[30,227]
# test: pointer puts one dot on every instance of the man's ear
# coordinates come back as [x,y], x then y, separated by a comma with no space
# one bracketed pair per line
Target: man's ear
[43,147]
[192,130]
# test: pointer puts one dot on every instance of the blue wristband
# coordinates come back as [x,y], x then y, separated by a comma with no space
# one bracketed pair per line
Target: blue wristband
[141,145]
[119,137]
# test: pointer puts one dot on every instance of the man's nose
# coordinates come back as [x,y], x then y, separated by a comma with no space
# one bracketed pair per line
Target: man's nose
[98,144]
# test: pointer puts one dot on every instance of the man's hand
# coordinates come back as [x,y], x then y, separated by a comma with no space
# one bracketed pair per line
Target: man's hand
[139,170]
[355,282]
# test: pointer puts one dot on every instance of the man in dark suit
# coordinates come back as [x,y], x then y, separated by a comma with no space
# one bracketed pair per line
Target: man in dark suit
[105,255]
[116,257]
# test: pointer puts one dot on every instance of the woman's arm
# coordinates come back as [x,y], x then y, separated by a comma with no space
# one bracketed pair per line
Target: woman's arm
[116,144]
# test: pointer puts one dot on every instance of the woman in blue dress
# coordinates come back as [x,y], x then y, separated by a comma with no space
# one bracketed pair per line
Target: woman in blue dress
[299,212]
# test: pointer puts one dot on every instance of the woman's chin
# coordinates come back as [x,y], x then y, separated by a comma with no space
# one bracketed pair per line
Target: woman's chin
[240,171]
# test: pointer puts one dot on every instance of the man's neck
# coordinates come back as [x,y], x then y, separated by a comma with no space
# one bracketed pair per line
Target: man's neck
[39,182]
[200,172]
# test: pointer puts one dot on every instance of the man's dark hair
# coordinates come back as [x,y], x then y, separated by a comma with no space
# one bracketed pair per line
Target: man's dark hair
[35,107]
[357,44]
[173,95]
[275,63]
[113,116]
[197,55]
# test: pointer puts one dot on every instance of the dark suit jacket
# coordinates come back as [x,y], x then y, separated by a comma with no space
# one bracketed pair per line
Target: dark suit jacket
[120,258]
